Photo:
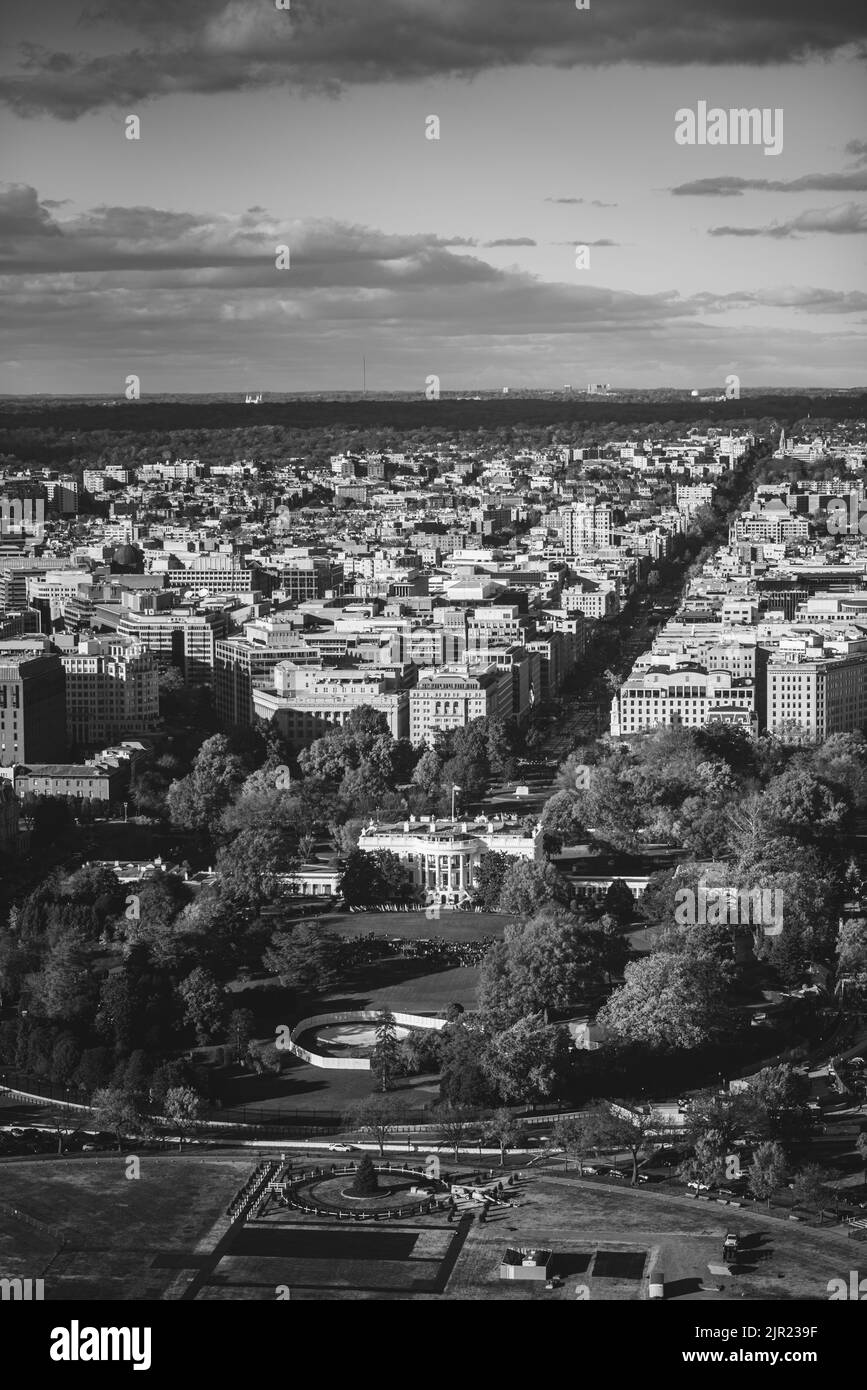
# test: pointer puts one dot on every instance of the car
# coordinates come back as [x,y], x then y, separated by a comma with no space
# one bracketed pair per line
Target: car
[618,1173]
[699,1186]
[339,1148]
[595,1169]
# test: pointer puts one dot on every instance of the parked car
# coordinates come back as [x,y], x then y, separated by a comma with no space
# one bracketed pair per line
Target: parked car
[595,1169]
[699,1186]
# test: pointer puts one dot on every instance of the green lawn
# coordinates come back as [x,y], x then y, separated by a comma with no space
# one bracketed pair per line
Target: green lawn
[126,1238]
[454,926]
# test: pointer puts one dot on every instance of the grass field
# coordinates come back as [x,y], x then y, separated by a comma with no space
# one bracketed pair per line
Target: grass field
[163,1236]
[125,1238]
[455,926]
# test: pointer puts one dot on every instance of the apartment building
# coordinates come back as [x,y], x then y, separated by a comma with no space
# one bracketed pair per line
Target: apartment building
[242,663]
[687,695]
[32,708]
[584,527]
[822,695]
[181,637]
[112,688]
[450,697]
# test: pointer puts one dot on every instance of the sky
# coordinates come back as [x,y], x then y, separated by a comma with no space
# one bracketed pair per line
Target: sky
[306,127]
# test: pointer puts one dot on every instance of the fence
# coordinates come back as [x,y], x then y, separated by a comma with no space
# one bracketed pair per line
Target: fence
[353,1016]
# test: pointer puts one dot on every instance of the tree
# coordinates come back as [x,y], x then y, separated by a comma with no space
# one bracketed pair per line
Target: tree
[668,1002]
[852,949]
[196,802]
[572,1136]
[612,948]
[561,818]
[239,1030]
[386,1061]
[247,868]
[861,1150]
[183,1107]
[526,886]
[619,902]
[707,1165]
[420,1051]
[464,1078]
[366,1181]
[810,1185]
[456,1122]
[550,962]
[503,1128]
[766,1174]
[204,1005]
[306,957]
[628,1128]
[780,1095]
[529,1060]
[376,1115]
[488,879]
[116,1110]
[370,879]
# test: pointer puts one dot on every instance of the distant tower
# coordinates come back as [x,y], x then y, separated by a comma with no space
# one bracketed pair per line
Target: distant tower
[782,441]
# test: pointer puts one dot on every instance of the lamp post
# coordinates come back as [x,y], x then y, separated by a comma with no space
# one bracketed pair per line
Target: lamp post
[455,788]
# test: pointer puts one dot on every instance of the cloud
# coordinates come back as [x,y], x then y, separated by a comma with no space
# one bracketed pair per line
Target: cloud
[848,219]
[194,301]
[730,187]
[511,241]
[858,150]
[594,203]
[602,241]
[171,46]
[810,300]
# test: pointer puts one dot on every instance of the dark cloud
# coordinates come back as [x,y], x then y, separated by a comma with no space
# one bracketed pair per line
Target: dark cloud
[849,219]
[170,46]
[730,187]
[808,299]
[594,203]
[511,241]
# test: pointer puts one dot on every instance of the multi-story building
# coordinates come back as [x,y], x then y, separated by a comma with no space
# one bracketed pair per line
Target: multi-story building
[306,703]
[822,695]
[584,527]
[181,637]
[90,781]
[304,577]
[452,696]
[241,663]
[32,708]
[443,856]
[687,696]
[112,688]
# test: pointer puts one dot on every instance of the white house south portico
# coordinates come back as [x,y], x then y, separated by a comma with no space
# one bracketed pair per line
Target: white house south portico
[443,856]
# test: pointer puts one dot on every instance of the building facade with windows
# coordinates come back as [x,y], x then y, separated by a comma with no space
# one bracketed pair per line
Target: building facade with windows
[443,856]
